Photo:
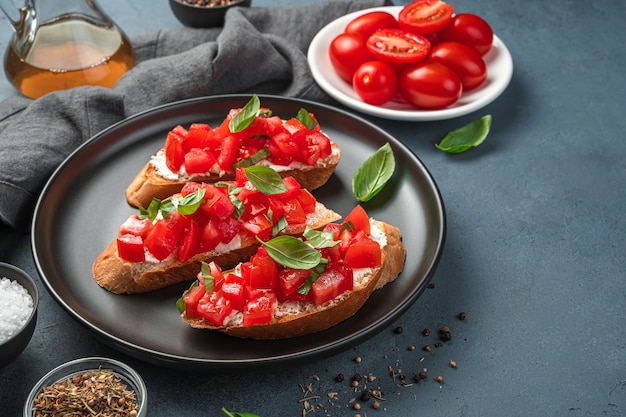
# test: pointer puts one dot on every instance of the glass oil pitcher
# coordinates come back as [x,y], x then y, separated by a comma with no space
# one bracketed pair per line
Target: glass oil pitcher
[60,44]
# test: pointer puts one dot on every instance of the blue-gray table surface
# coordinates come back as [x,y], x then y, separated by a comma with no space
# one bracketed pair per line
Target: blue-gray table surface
[535,250]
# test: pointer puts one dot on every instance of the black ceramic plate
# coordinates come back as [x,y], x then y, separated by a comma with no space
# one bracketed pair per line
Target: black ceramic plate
[83,204]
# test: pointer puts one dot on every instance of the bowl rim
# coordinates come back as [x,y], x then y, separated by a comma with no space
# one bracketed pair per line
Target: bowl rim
[235,3]
[31,288]
[67,369]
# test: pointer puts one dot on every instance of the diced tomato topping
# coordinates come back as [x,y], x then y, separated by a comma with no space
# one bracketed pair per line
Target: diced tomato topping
[260,226]
[260,273]
[197,137]
[210,236]
[359,219]
[363,254]
[331,283]
[199,161]
[289,279]
[130,248]
[233,290]
[189,244]
[307,200]
[135,225]
[229,152]
[191,300]
[164,235]
[218,276]
[294,214]
[259,310]
[214,307]
[174,152]
[229,228]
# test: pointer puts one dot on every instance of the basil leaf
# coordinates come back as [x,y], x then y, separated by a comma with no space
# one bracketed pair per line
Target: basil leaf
[466,137]
[279,226]
[292,252]
[238,414]
[313,276]
[245,116]
[152,210]
[209,281]
[372,176]
[253,159]
[305,118]
[265,179]
[319,239]
[240,207]
[191,202]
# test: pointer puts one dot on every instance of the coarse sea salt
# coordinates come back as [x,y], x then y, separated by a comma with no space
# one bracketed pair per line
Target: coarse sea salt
[16,306]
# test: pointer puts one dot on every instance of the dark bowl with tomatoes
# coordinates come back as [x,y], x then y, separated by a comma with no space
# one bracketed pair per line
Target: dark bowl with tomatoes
[204,13]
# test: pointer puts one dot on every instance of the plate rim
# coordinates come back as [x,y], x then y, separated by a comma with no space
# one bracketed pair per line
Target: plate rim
[167,359]
[320,43]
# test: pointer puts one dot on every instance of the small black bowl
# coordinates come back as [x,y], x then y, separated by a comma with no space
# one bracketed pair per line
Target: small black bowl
[13,347]
[201,16]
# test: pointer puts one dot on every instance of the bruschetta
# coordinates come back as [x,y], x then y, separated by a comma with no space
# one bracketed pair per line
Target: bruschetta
[293,287]
[167,242]
[295,147]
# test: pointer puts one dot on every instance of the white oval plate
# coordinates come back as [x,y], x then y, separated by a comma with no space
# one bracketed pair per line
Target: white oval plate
[499,73]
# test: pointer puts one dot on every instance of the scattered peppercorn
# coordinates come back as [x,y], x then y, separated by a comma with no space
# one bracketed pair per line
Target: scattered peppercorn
[426,332]
[371,378]
[339,378]
[398,330]
[376,405]
[423,374]
[365,396]
[453,364]
[439,379]
[412,347]
[357,359]
[462,315]
[427,348]
[356,406]
[438,344]
[354,383]
[445,334]
[431,285]
[357,377]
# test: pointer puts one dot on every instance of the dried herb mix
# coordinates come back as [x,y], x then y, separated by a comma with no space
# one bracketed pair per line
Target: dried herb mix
[93,393]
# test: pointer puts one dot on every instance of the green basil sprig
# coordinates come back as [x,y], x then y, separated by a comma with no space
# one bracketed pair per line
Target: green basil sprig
[265,179]
[246,115]
[238,414]
[253,159]
[292,252]
[466,137]
[305,118]
[373,174]
[319,239]
[186,205]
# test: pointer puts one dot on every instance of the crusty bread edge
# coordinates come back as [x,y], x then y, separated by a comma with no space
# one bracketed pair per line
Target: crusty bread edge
[148,184]
[318,318]
[123,277]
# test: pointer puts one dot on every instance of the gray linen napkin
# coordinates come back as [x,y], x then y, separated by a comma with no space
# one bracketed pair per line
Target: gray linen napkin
[258,50]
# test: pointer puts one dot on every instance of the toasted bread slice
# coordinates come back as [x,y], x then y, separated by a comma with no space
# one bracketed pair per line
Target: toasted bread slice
[149,183]
[293,318]
[123,277]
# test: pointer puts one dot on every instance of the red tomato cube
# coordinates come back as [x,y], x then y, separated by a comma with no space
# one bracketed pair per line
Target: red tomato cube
[130,248]
[259,310]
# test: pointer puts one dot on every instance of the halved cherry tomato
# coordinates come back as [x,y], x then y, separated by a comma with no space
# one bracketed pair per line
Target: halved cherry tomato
[463,60]
[397,46]
[425,16]
[347,52]
[368,23]
[430,85]
[470,30]
[375,82]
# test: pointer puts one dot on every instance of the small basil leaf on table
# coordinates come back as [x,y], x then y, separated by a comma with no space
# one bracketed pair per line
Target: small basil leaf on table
[238,414]
[372,176]
[466,137]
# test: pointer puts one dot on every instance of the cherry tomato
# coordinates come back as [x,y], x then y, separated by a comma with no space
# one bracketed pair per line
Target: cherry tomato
[375,82]
[347,52]
[463,60]
[425,16]
[430,85]
[397,46]
[470,30]
[368,23]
